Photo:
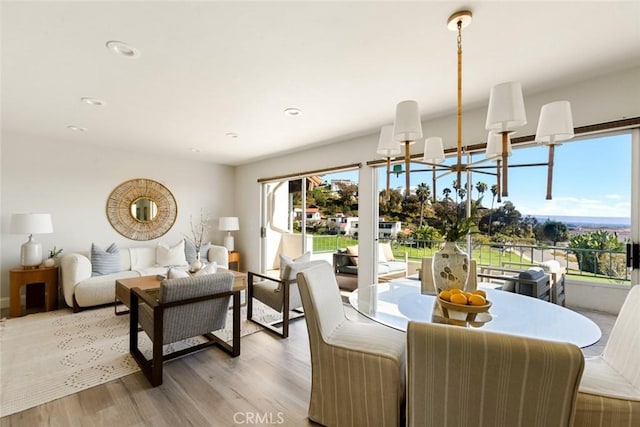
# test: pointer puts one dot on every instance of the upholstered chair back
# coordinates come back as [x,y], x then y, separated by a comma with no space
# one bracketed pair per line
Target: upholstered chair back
[623,347]
[321,289]
[357,368]
[462,377]
[190,320]
[610,388]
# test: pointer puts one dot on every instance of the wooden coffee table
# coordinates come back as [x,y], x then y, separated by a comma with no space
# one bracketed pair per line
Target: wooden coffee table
[151,283]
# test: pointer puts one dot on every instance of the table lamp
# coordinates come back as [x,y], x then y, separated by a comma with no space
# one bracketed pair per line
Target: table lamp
[31,223]
[229,224]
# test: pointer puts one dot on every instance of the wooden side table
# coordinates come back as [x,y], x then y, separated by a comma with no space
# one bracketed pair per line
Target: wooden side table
[234,260]
[19,277]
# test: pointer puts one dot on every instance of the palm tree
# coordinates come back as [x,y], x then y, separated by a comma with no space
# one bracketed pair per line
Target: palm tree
[481,187]
[462,192]
[422,193]
[446,192]
[494,193]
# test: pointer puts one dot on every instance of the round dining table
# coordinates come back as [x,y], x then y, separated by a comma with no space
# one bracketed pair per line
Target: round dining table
[395,303]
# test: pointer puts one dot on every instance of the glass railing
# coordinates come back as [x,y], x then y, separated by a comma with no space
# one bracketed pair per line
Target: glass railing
[607,266]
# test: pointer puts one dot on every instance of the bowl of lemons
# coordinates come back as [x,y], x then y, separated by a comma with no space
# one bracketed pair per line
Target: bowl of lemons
[468,303]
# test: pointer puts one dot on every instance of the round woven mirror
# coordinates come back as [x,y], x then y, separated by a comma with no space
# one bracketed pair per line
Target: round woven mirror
[141,209]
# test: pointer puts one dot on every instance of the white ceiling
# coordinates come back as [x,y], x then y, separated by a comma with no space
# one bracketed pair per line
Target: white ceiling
[210,68]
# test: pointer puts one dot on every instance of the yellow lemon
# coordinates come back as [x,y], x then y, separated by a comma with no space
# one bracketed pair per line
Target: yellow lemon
[445,295]
[467,294]
[477,300]
[480,292]
[455,291]
[459,298]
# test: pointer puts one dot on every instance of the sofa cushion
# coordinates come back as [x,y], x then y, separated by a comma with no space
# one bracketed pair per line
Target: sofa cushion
[176,273]
[171,256]
[208,269]
[391,267]
[142,258]
[105,261]
[190,251]
[286,264]
[100,289]
[385,248]
[353,250]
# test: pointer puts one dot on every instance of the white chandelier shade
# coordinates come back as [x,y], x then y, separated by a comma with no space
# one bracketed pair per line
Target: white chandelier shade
[407,126]
[555,123]
[494,146]
[433,150]
[506,111]
[387,145]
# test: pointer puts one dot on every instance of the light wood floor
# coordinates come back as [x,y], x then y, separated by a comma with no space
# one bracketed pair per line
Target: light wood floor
[270,381]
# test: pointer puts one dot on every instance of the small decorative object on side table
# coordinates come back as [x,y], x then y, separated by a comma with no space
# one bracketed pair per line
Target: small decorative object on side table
[19,277]
[51,260]
[234,258]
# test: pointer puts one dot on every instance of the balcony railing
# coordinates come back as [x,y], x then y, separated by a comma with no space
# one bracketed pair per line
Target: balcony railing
[580,264]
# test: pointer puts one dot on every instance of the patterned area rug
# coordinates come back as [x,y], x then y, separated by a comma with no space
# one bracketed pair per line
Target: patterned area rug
[46,356]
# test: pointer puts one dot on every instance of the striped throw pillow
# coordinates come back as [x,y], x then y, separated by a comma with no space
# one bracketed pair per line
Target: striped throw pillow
[105,262]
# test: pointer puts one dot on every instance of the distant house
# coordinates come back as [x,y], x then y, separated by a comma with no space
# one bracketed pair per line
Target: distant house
[335,184]
[386,229]
[345,224]
[313,213]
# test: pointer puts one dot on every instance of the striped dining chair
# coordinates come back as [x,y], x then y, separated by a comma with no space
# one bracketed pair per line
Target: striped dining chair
[357,368]
[463,377]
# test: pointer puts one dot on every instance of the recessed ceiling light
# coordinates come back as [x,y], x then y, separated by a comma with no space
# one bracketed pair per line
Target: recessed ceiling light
[121,48]
[195,150]
[76,128]
[232,135]
[93,101]
[292,112]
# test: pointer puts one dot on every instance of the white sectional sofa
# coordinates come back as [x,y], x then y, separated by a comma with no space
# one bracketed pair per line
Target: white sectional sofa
[81,289]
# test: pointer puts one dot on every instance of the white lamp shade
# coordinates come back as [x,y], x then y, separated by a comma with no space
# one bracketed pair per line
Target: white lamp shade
[433,150]
[506,108]
[494,146]
[31,223]
[555,123]
[229,223]
[387,146]
[408,126]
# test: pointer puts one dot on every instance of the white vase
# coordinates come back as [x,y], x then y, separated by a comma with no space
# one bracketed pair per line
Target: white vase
[450,267]
[49,262]
[196,265]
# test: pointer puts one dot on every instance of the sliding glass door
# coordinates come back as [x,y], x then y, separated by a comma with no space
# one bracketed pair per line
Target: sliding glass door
[314,213]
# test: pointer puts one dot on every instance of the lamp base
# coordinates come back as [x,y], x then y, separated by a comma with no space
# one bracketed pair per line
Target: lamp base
[31,254]
[228,242]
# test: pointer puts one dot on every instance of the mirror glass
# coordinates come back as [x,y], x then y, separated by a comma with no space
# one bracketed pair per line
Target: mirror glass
[144,209]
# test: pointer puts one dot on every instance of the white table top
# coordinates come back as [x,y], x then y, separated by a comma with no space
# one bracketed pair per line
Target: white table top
[398,302]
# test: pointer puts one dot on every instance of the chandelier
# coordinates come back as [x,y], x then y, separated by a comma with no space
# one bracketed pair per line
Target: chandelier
[506,113]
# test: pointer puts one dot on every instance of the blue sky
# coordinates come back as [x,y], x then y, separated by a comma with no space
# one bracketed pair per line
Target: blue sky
[591,178]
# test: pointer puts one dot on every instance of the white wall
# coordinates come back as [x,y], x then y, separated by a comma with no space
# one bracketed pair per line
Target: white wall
[597,100]
[72,180]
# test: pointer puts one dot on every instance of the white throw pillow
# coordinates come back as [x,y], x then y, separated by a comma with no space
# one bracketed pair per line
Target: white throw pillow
[143,257]
[176,273]
[286,263]
[208,269]
[167,256]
